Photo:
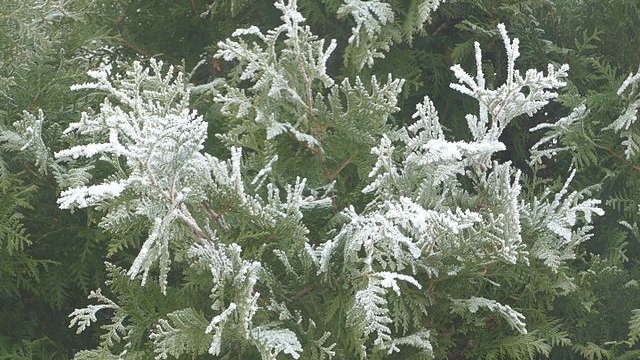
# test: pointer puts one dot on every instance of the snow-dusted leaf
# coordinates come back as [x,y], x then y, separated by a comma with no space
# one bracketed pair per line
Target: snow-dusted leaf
[498,107]
[624,124]
[514,318]
[84,317]
[565,229]
[181,333]
[547,146]
[271,341]
[370,313]
[370,17]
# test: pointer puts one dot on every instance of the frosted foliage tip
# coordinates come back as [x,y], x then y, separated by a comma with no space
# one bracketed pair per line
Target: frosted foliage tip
[519,94]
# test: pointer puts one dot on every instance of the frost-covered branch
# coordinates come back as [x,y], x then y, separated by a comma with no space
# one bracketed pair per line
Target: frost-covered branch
[564,228]
[446,207]
[84,317]
[276,74]
[474,304]
[235,277]
[153,140]
[253,263]
[28,137]
[547,146]
[150,127]
[626,123]
[283,93]
[376,27]
[517,96]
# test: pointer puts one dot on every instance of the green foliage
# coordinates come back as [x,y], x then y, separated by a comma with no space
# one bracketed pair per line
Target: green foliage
[13,235]
[634,326]
[46,258]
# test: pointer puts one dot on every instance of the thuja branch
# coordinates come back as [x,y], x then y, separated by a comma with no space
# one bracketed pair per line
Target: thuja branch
[328,174]
[214,215]
[344,164]
[188,219]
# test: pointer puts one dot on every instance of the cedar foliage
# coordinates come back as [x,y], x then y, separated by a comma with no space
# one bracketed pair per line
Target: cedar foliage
[327,218]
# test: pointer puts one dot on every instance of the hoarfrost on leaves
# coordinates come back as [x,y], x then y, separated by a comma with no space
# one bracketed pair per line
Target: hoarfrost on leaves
[426,8]
[225,264]
[277,74]
[628,118]
[273,341]
[514,318]
[370,314]
[388,280]
[228,269]
[547,147]
[565,230]
[116,331]
[226,176]
[151,127]
[29,131]
[84,196]
[375,31]
[370,16]
[288,63]
[498,107]
[84,317]
[153,141]
[419,340]
[503,185]
[181,333]
[436,206]
[421,214]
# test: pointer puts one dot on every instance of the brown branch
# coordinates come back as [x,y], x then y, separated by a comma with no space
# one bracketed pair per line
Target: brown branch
[28,169]
[188,219]
[300,293]
[622,159]
[126,43]
[339,169]
[133,47]
[323,162]
[214,216]
[330,175]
